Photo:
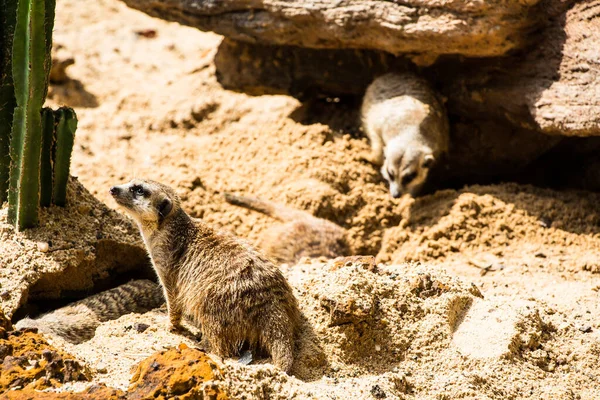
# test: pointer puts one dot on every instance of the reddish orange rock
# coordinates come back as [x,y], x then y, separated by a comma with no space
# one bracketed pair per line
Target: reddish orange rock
[95,392]
[183,372]
[28,361]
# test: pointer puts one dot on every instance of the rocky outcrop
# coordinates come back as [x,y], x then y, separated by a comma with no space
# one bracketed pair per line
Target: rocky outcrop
[184,373]
[425,27]
[94,392]
[77,248]
[544,77]
[28,361]
[554,87]
[267,69]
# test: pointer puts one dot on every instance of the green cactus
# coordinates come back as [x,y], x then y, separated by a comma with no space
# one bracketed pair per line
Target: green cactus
[47,160]
[65,137]
[29,76]
[8,14]
[35,152]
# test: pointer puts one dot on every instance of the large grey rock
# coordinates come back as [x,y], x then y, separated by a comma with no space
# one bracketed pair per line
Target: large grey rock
[422,27]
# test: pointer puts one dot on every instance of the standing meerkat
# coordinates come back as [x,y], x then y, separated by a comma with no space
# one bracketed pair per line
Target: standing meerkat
[301,234]
[408,129]
[77,322]
[233,293]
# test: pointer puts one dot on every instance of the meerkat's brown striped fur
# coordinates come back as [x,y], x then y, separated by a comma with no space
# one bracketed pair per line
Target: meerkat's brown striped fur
[231,291]
[77,322]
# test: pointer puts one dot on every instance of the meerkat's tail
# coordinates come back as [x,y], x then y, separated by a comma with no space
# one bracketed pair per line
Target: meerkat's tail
[269,208]
[77,322]
[280,344]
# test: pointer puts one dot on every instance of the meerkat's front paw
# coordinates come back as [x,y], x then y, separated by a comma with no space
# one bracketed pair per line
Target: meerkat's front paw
[372,158]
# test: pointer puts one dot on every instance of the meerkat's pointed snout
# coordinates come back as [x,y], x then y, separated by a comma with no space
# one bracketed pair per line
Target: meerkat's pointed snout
[114,191]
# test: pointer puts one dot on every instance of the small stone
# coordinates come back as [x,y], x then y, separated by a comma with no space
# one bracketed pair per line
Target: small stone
[585,328]
[246,358]
[5,295]
[377,392]
[101,368]
[141,327]
[43,247]
[540,255]
[83,209]
[377,347]
[545,222]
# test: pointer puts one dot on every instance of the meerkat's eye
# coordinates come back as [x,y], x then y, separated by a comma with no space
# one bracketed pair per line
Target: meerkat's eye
[137,190]
[408,178]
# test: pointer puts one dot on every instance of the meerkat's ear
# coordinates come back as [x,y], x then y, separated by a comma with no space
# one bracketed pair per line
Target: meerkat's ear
[164,208]
[428,161]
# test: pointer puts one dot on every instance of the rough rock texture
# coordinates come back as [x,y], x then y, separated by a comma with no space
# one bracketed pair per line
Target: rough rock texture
[74,249]
[472,28]
[94,392]
[267,69]
[184,372]
[29,361]
[498,328]
[553,87]
[550,85]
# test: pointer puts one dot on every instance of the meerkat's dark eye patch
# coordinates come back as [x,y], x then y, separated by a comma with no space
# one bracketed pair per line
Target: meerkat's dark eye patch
[390,174]
[408,178]
[137,190]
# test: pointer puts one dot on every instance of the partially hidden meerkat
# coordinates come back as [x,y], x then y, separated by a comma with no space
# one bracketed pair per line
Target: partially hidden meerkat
[300,235]
[234,294]
[77,322]
[408,129]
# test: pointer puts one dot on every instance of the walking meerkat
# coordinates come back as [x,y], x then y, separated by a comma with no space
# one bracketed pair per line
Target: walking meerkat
[301,234]
[77,322]
[234,294]
[408,129]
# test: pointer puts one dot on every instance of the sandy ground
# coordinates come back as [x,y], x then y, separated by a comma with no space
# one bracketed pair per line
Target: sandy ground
[152,107]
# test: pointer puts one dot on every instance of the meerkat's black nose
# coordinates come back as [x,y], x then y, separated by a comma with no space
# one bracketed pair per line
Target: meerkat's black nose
[114,190]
